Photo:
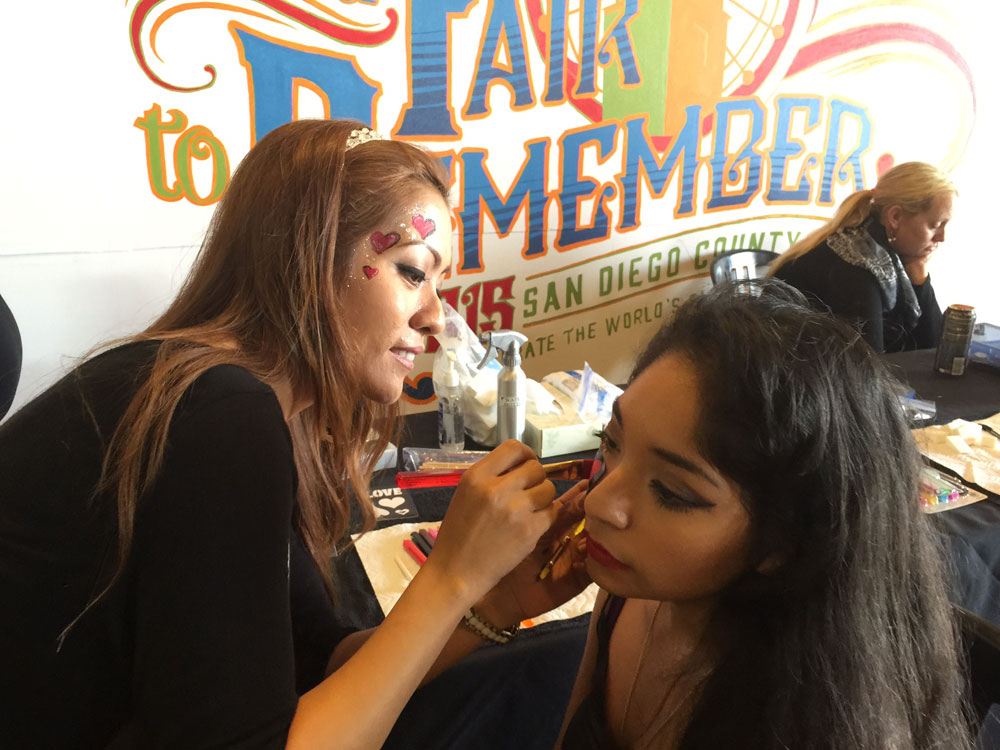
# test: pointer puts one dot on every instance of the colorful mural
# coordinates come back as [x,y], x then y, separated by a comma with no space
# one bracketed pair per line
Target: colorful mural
[602,151]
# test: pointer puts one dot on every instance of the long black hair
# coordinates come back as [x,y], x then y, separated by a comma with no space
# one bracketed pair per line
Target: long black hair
[846,640]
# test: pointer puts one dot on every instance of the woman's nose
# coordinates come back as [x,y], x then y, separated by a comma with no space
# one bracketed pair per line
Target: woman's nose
[429,318]
[607,501]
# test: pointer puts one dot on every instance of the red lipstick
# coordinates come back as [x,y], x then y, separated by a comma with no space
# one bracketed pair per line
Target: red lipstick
[598,554]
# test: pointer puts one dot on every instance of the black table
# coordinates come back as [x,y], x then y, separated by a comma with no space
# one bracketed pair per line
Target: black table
[974,395]
[972,532]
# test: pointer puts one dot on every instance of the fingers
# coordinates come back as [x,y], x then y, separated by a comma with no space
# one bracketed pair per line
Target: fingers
[572,499]
[503,503]
[569,509]
[509,455]
[542,495]
[516,468]
[528,474]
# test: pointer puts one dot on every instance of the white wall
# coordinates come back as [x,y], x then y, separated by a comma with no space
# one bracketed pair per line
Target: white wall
[967,269]
[67,303]
[74,277]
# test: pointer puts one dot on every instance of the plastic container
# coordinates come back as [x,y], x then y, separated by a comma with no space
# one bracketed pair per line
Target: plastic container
[451,413]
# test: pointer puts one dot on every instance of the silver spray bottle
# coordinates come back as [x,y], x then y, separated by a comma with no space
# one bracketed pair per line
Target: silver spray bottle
[512,389]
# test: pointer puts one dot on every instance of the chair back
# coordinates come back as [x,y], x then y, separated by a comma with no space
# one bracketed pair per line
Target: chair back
[740,265]
[10,357]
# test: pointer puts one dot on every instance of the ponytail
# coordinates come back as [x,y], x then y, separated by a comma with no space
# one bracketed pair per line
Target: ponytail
[855,209]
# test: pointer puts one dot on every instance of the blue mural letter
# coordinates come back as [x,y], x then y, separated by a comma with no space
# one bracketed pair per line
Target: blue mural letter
[480,193]
[589,20]
[503,21]
[575,188]
[724,170]
[786,148]
[623,43]
[272,67]
[838,110]
[556,81]
[640,158]
[427,112]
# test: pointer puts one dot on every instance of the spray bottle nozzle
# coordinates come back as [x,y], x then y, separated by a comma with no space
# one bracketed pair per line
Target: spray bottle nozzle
[505,345]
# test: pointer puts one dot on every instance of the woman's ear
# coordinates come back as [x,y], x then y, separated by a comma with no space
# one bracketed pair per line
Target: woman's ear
[892,217]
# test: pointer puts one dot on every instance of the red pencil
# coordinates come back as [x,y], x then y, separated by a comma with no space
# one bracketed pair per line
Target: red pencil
[416,554]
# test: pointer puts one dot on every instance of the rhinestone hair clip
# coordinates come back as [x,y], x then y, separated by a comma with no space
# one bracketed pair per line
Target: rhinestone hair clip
[363,135]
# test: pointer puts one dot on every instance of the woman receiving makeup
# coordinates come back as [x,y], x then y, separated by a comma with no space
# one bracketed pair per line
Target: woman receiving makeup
[767,578]
[168,510]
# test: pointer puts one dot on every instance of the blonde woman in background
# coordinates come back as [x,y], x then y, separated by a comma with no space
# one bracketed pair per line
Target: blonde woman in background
[868,265]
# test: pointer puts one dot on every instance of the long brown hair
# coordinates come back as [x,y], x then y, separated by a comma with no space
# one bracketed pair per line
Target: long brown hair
[264,294]
[847,641]
[912,186]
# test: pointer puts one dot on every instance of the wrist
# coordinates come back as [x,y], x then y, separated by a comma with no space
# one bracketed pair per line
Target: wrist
[477,623]
[499,609]
[453,586]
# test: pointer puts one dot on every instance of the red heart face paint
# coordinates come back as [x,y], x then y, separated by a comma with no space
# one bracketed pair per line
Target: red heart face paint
[390,310]
[423,226]
[382,242]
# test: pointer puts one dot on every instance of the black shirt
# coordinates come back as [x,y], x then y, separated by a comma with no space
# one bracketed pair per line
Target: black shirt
[196,643]
[588,728]
[853,294]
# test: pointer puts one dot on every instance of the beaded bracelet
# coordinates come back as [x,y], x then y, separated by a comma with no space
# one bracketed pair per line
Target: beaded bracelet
[487,630]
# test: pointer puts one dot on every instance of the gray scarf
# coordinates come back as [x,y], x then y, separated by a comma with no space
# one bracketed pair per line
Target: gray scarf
[856,246]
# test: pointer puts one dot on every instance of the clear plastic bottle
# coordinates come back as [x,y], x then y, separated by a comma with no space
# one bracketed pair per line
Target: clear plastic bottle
[451,414]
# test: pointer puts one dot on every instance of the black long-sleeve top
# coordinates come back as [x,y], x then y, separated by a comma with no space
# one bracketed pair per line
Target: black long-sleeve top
[853,294]
[219,619]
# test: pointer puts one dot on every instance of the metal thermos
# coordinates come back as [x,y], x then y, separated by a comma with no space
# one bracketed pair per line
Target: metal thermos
[511,396]
[512,385]
[956,335]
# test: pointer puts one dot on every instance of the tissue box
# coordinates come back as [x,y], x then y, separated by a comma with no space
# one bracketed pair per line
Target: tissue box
[556,434]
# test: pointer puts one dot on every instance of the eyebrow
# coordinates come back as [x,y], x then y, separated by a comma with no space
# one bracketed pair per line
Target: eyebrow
[435,253]
[669,456]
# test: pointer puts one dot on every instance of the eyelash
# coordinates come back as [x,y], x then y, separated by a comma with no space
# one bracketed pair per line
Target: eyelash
[607,443]
[673,501]
[413,275]
[664,496]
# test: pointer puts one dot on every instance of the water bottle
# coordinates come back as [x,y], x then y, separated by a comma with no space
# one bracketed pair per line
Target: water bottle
[451,414]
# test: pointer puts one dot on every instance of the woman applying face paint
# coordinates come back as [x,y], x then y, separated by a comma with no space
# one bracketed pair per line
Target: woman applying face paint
[768,579]
[169,509]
